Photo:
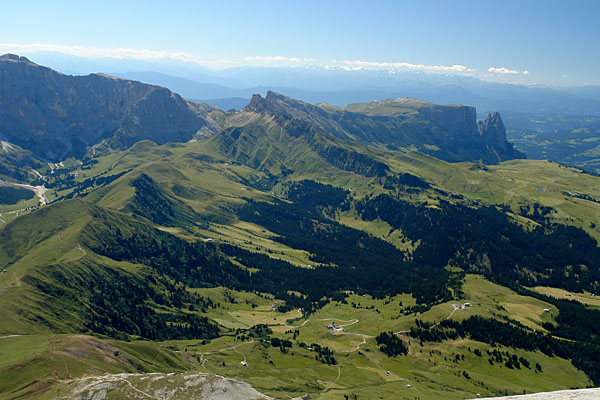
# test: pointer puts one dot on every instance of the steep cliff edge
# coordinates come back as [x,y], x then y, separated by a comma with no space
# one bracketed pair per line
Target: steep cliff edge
[56,116]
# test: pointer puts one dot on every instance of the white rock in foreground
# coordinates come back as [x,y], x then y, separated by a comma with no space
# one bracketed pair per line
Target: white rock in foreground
[189,385]
[577,394]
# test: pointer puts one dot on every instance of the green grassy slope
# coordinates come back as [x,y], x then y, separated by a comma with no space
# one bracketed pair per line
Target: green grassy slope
[431,370]
[49,294]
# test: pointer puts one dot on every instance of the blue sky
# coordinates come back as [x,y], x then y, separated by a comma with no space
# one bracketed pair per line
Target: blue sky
[532,41]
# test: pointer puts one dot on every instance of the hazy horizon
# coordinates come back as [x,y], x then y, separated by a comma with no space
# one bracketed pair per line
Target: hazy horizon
[537,42]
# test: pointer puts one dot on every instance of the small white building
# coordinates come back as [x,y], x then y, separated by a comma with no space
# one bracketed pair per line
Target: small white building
[244,364]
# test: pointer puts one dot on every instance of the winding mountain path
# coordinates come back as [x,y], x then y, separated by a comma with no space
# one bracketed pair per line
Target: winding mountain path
[136,389]
[454,308]
[234,348]
[78,245]
[298,326]
[9,336]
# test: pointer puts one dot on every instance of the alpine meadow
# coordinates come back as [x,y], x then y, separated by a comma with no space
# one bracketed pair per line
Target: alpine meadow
[194,221]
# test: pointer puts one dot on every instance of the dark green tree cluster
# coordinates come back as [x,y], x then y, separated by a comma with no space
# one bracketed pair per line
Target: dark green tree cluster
[120,305]
[152,202]
[364,263]
[390,344]
[402,179]
[486,238]
[324,354]
[94,182]
[259,331]
[584,355]
[12,195]
[509,360]
[282,344]
[312,195]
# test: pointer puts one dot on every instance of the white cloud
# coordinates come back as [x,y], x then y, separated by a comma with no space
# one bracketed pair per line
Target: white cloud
[354,65]
[404,65]
[506,71]
[98,52]
[279,59]
[271,61]
[117,53]
[146,55]
[565,75]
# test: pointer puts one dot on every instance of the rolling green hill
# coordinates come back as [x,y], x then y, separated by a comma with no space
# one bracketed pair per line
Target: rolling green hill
[63,263]
[329,264]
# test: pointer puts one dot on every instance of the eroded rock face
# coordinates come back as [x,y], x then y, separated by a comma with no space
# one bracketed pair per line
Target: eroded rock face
[56,116]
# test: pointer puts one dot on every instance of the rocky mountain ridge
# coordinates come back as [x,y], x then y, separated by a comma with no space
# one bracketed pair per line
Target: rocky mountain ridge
[57,116]
[451,133]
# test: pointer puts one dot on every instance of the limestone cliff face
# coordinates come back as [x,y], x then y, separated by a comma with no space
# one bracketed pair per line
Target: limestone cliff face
[56,116]
[447,126]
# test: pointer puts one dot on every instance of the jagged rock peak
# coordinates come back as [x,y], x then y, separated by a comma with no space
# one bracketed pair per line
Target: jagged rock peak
[493,120]
[275,103]
[493,133]
[271,97]
[14,57]
[255,102]
[492,128]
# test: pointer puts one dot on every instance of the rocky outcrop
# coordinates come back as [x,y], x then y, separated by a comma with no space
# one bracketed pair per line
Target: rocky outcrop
[493,135]
[492,128]
[57,116]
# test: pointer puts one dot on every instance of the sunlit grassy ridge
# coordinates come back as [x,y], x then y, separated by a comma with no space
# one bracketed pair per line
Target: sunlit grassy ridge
[431,370]
[45,249]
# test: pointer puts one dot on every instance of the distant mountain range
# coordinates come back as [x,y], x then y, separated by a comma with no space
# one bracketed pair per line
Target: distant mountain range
[334,87]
